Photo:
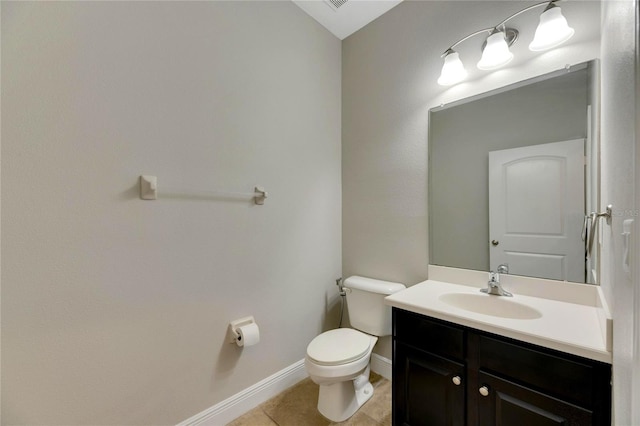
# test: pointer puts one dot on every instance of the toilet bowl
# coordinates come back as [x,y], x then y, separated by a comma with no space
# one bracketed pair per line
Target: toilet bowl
[338,360]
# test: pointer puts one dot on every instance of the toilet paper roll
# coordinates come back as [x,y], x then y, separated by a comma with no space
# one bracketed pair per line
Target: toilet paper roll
[249,335]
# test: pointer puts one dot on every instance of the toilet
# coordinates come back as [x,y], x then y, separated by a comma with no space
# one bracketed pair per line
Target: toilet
[338,360]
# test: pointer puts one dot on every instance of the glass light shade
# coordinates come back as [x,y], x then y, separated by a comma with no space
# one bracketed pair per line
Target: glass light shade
[452,71]
[496,53]
[552,30]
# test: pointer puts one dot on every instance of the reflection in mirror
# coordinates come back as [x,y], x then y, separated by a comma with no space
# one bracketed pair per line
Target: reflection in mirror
[512,175]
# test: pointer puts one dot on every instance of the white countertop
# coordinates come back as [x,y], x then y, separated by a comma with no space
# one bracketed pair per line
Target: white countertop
[582,328]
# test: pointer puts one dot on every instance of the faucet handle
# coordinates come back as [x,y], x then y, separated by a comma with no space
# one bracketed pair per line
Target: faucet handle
[494,286]
[503,268]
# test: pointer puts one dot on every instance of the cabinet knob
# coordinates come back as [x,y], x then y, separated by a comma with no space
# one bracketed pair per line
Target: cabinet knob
[495,242]
[456,380]
[484,391]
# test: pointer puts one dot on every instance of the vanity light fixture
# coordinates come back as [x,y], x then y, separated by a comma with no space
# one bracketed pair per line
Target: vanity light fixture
[552,31]
[496,53]
[453,70]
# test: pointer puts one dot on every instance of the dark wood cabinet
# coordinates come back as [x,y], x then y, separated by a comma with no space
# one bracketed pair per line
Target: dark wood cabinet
[447,374]
[431,388]
[508,403]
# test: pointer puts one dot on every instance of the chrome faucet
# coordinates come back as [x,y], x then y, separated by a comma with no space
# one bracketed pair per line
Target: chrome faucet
[494,286]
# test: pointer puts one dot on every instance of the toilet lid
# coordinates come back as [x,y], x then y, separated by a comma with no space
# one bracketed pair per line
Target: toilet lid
[338,346]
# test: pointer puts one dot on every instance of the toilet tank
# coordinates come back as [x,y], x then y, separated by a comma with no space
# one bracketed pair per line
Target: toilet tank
[365,301]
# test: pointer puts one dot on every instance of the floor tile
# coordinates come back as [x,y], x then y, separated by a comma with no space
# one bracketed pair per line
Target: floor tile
[255,417]
[386,421]
[379,406]
[376,379]
[296,406]
[358,419]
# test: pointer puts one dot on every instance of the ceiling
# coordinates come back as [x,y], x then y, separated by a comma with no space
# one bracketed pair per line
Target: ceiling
[345,17]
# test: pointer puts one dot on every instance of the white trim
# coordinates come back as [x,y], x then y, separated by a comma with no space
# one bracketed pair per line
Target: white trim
[238,404]
[381,366]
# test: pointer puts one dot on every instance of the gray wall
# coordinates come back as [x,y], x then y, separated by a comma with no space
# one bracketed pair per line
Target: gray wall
[115,310]
[461,138]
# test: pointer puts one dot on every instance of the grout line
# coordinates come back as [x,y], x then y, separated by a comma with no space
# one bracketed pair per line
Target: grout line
[378,422]
[267,414]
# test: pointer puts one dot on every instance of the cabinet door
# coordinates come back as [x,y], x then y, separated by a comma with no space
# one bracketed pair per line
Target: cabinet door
[428,389]
[505,403]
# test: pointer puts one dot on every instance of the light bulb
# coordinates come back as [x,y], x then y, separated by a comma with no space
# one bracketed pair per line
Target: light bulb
[496,52]
[453,70]
[552,31]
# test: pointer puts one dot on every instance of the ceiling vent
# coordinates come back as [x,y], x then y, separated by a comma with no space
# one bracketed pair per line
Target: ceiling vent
[335,4]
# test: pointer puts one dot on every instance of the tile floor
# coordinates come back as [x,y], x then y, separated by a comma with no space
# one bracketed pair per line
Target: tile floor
[296,406]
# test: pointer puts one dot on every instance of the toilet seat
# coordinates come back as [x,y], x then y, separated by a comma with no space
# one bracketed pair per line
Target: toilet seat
[339,346]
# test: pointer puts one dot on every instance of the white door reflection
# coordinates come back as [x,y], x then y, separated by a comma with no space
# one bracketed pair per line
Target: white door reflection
[536,210]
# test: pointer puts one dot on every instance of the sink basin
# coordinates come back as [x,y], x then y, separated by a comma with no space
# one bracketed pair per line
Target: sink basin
[496,306]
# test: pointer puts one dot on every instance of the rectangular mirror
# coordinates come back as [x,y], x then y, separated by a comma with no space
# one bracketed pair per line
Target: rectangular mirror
[512,175]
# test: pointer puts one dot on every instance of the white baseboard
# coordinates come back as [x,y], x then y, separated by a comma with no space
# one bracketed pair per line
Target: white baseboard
[238,404]
[381,366]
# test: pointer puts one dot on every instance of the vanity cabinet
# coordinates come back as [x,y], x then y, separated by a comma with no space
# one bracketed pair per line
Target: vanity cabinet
[448,374]
[427,389]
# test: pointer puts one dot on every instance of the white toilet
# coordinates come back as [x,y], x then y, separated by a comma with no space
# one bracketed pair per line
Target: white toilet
[338,360]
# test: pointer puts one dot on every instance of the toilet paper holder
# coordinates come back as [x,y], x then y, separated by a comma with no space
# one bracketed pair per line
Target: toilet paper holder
[235,324]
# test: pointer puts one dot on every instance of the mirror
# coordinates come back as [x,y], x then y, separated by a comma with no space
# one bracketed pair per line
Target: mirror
[512,175]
